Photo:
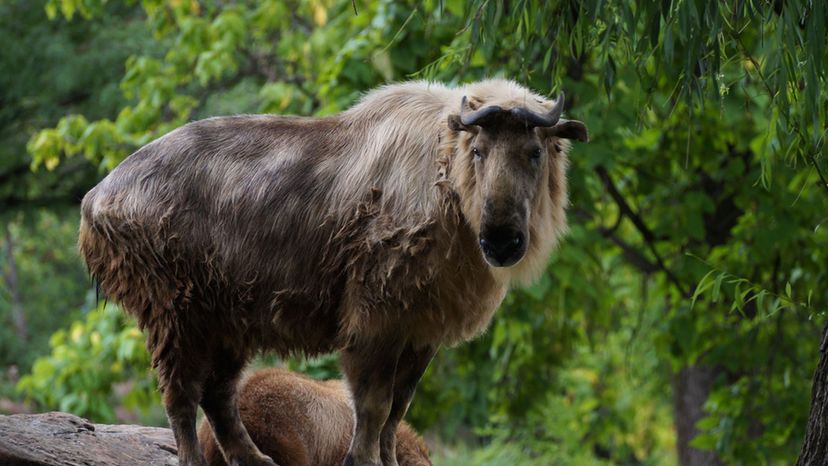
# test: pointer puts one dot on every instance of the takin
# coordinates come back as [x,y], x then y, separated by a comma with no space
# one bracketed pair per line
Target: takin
[382,232]
[302,422]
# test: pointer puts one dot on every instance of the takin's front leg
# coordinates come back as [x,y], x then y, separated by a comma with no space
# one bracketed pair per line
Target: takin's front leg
[410,368]
[369,369]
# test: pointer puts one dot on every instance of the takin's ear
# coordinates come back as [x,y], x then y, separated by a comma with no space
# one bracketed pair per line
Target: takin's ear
[568,129]
[456,124]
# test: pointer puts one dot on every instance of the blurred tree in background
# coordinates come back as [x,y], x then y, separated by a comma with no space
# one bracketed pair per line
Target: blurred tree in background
[48,69]
[679,322]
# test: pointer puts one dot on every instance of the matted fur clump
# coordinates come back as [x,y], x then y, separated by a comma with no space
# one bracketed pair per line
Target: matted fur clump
[298,421]
[383,232]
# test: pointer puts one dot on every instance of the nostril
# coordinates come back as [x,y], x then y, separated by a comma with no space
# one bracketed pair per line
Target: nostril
[484,244]
[501,240]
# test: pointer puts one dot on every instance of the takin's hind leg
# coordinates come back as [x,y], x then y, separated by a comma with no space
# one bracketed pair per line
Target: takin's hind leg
[180,379]
[181,403]
[220,404]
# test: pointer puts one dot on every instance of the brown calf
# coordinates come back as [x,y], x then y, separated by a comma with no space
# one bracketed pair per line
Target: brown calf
[298,421]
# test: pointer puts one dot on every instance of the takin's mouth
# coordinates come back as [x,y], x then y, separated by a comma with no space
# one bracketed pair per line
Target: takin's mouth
[503,247]
[495,263]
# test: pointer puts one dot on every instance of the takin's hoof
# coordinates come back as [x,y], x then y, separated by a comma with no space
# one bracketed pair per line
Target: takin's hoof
[350,461]
[194,460]
[262,460]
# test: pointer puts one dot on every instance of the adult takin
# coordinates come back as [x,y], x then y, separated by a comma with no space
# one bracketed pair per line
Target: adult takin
[302,422]
[382,232]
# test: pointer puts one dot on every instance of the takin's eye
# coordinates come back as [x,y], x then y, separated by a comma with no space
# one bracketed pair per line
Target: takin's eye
[535,154]
[476,154]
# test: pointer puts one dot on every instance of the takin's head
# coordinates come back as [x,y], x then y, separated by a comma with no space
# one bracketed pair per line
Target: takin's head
[509,166]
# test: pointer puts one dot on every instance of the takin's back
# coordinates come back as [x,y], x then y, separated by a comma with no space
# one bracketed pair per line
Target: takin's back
[302,422]
[238,189]
[209,221]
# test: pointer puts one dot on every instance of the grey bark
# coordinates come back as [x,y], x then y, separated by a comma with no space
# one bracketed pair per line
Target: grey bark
[17,310]
[63,439]
[815,448]
[691,387]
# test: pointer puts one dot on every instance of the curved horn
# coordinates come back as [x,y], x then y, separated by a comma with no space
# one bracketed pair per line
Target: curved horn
[469,117]
[544,120]
[557,108]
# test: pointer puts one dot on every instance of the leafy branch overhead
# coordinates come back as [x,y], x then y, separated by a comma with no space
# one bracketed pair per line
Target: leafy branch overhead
[701,49]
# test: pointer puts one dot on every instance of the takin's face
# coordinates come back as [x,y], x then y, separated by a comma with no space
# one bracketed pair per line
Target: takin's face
[509,151]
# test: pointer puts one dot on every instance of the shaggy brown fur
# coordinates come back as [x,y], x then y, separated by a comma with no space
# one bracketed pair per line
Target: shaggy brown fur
[302,422]
[357,232]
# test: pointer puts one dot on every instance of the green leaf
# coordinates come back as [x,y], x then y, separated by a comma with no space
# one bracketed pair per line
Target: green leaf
[704,284]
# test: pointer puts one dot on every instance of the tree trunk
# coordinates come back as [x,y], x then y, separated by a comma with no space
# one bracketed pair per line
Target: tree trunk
[54,439]
[17,311]
[815,449]
[691,388]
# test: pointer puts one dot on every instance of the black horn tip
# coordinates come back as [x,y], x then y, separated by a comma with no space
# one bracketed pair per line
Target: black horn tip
[557,107]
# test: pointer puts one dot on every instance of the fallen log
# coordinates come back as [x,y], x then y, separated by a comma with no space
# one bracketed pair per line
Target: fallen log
[61,439]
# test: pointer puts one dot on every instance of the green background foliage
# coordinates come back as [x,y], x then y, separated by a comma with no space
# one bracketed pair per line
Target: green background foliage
[696,244]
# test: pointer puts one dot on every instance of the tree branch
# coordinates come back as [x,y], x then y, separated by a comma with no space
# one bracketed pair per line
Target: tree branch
[638,222]
[62,438]
[631,253]
[819,172]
